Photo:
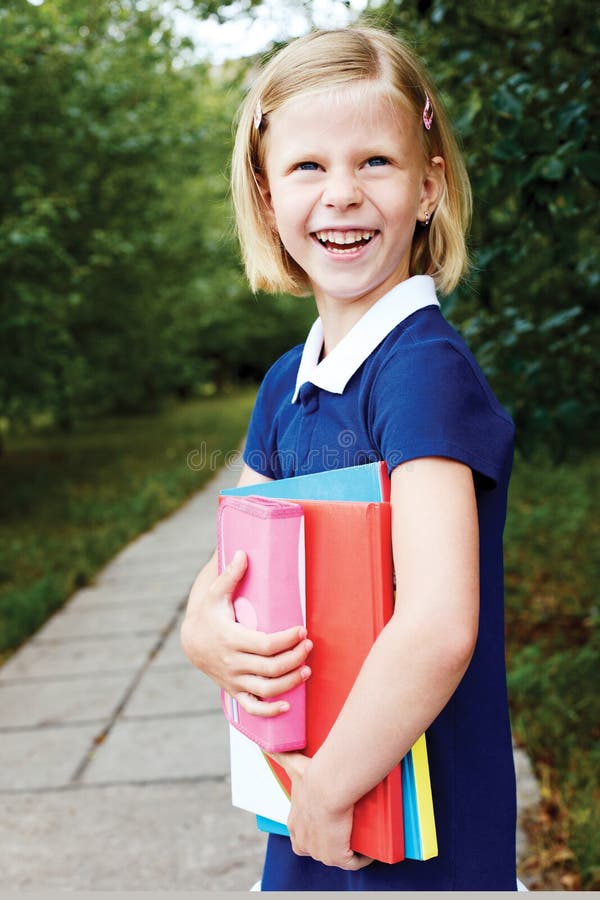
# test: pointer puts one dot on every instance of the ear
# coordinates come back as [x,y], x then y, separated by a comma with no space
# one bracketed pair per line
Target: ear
[433,186]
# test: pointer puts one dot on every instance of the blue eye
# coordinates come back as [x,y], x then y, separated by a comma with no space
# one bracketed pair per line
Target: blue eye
[378,161]
[307,166]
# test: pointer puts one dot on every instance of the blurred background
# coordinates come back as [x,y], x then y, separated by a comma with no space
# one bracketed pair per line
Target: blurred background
[131,346]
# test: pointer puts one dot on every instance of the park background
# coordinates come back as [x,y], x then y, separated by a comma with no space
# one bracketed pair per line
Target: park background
[131,346]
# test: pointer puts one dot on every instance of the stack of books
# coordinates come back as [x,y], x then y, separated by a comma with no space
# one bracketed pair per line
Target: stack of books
[338,580]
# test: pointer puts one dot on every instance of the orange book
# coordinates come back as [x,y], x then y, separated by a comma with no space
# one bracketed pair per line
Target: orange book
[349,558]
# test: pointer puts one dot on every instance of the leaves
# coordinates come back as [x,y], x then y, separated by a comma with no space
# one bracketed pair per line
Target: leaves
[520,89]
[121,283]
[119,272]
[553,644]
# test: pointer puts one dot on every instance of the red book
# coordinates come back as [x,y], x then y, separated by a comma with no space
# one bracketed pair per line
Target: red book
[349,598]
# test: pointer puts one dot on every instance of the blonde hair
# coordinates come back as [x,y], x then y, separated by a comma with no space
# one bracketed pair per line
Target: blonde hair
[325,61]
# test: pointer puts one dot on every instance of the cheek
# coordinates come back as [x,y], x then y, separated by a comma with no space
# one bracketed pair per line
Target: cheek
[288,219]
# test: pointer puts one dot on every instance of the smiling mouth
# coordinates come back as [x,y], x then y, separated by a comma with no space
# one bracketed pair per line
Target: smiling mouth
[344,241]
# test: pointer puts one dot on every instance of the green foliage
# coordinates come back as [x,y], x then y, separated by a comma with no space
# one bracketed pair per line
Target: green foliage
[557,716]
[559,687]
[99,139]
[70,502]
[553,635]
[220,9]
[119,276]
[520,88]
[551,570]
[519,83]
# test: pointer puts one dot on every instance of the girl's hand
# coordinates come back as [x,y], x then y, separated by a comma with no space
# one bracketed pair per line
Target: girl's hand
[314,829]
[250,665]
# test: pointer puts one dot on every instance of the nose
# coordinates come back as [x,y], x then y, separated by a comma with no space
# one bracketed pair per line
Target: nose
[342,190]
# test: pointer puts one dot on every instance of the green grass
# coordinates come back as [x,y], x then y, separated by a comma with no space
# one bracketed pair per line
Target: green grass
[69,502]
[553,639]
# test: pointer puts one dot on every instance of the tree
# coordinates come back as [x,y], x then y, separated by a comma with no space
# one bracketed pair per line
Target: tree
[119,275]
[519,83]
[120,280]
[101,138]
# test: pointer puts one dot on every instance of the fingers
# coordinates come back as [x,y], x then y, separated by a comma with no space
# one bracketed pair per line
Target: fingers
[224,585]
[259,679]
[255,691]
[259,642]
[264,644]
[258,667]
[293,762]
[349,861]
[263,708]
[356,862]
[278,664]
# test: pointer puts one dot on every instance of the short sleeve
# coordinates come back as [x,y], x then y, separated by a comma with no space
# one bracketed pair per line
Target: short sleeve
[431,400]
[257,452]
[260,451]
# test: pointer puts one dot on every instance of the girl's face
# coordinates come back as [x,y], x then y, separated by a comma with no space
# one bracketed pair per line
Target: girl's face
[345,184]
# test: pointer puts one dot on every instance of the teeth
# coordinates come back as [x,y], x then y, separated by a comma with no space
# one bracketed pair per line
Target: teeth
[343,237]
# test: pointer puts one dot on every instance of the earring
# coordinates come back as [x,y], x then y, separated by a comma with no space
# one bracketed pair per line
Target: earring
[427,113]
[427,219]
[258,115]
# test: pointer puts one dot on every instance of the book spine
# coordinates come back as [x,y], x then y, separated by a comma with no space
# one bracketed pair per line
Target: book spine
[379,524]
[429,846]
[383,828]
[383,487]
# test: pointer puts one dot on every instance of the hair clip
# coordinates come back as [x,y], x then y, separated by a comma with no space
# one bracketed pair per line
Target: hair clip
[427,113]
[258,114]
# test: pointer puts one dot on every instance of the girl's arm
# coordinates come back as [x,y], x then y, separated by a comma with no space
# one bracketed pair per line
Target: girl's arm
[250,665]
[414,666]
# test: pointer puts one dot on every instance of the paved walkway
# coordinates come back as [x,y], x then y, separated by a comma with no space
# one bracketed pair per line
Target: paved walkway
[113,748]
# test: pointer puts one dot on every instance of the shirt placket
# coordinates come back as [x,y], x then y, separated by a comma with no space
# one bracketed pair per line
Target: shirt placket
[308,398]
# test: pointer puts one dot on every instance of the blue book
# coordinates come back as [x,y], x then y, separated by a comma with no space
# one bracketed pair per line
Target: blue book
[368,483]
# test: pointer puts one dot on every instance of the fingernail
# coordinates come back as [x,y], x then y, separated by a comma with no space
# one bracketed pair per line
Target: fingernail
[308,645]
[302,632]
[305,673]
[284,706]
[236,558]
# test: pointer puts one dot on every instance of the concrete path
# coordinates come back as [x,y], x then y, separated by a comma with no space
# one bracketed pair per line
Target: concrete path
[113,748]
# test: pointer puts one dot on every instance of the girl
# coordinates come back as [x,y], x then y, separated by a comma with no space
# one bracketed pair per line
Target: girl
[347,182]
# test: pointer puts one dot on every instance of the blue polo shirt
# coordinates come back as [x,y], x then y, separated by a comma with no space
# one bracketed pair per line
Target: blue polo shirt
[402,384]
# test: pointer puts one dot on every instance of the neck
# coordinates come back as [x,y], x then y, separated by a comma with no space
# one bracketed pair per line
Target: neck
[339,316]
[336,324]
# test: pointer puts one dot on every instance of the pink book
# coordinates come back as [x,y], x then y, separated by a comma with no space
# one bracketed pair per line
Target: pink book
[270,597]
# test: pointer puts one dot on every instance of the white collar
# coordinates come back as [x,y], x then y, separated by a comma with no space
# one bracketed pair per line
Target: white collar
[335,371]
